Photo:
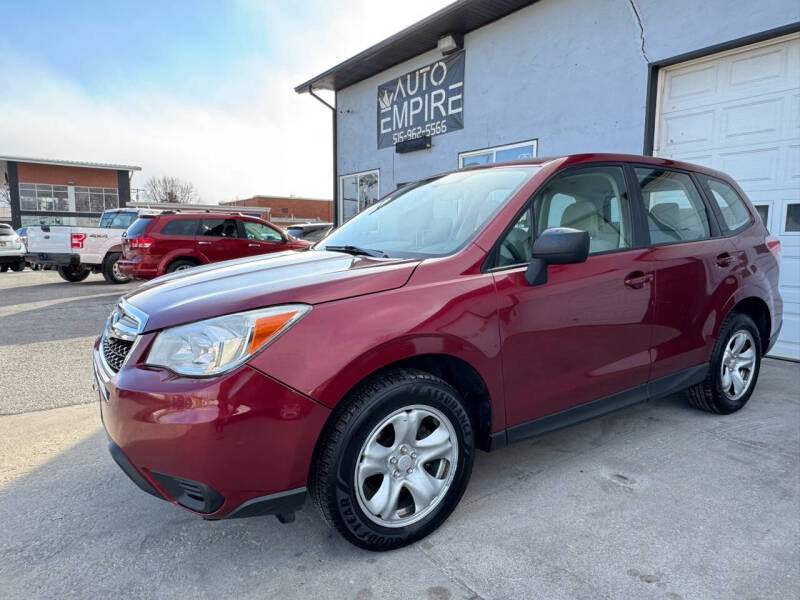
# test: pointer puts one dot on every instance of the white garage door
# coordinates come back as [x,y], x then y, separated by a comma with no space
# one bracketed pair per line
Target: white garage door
[739,112]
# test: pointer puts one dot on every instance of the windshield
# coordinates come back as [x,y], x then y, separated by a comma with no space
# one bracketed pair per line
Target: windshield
[118,220]
[434,217]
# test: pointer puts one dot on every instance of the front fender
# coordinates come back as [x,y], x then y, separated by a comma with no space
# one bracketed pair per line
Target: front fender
[340,343]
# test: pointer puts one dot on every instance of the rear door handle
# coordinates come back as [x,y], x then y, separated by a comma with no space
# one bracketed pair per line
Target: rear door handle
[204,243]
[638,279]
[725,259]
[254,245]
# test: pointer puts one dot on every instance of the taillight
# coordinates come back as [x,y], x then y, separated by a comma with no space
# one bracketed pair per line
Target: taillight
[139,243]
[76,240]
[774,245]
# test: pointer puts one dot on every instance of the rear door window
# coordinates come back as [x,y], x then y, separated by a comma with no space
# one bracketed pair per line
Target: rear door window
[180,227]
[675,211]
[218,228]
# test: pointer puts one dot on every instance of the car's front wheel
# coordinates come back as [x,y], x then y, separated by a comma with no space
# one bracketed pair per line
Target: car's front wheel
[394,463]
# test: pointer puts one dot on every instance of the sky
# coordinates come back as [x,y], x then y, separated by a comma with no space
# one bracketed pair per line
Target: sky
[200,90]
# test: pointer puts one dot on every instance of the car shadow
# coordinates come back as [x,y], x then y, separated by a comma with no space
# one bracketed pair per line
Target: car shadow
[10,296]
[76,318]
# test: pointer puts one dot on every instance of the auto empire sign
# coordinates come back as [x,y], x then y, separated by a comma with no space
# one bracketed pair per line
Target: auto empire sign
[428,101]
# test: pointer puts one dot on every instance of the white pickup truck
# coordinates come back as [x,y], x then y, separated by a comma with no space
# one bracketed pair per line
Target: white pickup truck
[78,251]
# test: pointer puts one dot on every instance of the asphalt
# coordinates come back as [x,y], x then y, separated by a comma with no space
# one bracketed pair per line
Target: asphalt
[655,501]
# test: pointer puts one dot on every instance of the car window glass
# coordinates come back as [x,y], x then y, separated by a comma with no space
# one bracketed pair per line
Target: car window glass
[180,227]
[433,217]
[675,211]
[258,231]
[218,228]
[138,226]
[734,212]
[591,199]
[515,248]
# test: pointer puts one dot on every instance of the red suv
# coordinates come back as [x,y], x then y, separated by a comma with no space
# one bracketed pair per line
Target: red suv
[470,310]
[158,244]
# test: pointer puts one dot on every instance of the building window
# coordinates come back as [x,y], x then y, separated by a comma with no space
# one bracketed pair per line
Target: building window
[495,154]
[95,199]
[44,197]
[357,191]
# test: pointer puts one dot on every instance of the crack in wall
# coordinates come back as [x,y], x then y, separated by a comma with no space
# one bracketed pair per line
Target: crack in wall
[641,29]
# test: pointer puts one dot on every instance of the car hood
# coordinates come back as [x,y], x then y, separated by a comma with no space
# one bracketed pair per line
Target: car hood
[221,288]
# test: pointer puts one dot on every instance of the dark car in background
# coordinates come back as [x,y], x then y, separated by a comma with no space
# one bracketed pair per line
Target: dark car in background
[168,242]
[470,310]
[312,232]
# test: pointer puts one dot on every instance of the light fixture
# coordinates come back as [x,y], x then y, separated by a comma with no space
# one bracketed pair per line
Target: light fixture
[450,43]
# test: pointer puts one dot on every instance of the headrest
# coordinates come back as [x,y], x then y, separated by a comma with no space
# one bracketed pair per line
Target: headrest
[577,213]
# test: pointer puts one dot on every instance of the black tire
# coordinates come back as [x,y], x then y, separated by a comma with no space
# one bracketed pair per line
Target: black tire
[73,274]
[180,265]
[108,269]
[332,478]
[709,395]
[3,268]
[18,266]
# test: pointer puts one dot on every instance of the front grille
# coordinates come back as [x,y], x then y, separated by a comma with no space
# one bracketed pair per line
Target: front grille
[115,351]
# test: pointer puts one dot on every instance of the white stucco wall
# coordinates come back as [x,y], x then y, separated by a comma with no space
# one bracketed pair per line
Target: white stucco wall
[571,73]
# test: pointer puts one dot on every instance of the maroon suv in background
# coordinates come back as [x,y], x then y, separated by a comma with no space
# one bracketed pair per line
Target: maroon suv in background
[168,242]
[470,310]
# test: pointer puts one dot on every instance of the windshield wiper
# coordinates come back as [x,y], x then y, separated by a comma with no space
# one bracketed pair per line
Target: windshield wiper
[356,251]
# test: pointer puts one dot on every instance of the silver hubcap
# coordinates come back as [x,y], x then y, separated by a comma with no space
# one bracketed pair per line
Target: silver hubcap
[738,364]
[406,466]
[117,273]
[183,268]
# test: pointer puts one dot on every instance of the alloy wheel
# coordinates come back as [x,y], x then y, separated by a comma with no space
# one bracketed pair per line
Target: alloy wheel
[738,364]
[406,466]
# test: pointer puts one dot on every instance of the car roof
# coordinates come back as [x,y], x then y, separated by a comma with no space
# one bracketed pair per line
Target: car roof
[594,157]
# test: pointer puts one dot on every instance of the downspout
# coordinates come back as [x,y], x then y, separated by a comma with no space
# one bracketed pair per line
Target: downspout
[335,159]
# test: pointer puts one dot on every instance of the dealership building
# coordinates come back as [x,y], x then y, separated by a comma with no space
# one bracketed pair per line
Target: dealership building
[715,83]
[58,192]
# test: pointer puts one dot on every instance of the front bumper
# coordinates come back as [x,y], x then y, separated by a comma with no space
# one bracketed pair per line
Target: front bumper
[231,446]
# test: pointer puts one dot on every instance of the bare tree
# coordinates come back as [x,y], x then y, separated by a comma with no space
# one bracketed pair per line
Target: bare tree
[5,195]
[170,189]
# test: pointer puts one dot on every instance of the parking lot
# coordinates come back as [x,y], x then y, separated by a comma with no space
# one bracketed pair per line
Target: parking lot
[655,501]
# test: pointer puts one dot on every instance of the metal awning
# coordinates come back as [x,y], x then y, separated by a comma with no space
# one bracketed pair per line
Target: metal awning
[458,18]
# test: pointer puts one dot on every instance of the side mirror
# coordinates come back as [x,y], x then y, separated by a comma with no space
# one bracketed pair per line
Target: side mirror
[556,246]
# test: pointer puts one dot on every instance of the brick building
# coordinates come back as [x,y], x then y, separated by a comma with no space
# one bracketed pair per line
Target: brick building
[290,209]
[57,192]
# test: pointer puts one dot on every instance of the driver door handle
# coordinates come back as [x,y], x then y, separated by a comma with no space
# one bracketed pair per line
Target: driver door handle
[204,243]
[638,279]
[254,245]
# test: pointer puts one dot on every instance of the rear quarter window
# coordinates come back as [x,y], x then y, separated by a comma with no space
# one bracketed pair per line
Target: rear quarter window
[138,227]
[730,204]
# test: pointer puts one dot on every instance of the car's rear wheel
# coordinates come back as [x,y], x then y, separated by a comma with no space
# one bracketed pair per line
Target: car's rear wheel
[394,462]
[111,270]
[3,268]
[73,274]
[180,265]
[734,368]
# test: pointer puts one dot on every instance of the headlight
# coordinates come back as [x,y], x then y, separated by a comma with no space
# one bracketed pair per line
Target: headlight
[221,344]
